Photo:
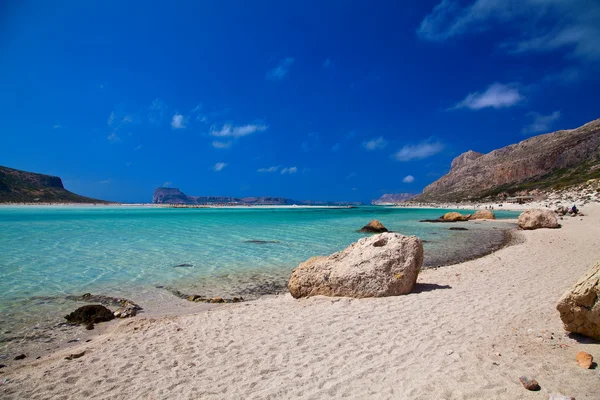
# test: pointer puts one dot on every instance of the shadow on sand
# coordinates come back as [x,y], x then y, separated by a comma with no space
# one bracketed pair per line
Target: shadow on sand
[428,287]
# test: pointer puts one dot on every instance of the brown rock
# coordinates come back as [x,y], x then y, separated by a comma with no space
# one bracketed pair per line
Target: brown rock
[584,359]
[374,227]
[454,217]
[535,219]
[579,307]
[483,214]
[74,356]
[381,265]
[529,383]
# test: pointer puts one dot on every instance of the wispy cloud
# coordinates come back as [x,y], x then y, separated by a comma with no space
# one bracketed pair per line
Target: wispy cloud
[530,25]
[219,166]
[281,70]
[419,151]
[113,138]
[237,131]
[56,126]
[541,123]
[375,144]
[106,181]
[167,184]
[328,63]
[111,118]
[138,147]
[289,171]
[497,95]
[222,145]
[157,112]
[178,122]
[269,169]
[351,175]
[408,179]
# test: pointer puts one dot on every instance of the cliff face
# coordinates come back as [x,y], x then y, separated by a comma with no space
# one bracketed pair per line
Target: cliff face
[28,187]
[393,198]
[552,160]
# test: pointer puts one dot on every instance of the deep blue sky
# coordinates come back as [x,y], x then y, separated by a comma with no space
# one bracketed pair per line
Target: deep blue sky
[315,100]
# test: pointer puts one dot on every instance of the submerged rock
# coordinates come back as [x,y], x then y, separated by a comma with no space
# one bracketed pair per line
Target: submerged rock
[373,227]
[579,307]
[382,265]
[256,241]
[537,218]
[483,214]
[90,315]
[457,228]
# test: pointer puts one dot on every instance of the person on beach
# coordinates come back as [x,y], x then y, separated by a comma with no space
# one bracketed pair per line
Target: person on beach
[574,209]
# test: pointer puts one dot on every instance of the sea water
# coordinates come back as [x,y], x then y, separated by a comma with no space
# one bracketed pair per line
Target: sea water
[48,253]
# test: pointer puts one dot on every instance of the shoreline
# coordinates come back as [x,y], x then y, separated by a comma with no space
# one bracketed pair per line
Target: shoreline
[487,322]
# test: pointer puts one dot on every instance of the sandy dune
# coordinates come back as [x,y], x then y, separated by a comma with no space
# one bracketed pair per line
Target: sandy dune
[468,332]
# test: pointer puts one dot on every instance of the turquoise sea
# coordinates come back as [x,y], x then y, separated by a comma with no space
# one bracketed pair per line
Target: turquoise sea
[47,253]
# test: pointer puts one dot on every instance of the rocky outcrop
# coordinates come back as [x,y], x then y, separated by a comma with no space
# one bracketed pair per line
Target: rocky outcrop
[90,315]
[455,217]
[386,264]
[374,227]
[579,307]
[393,198]
[28,187]
[536,219]
[557,159]
[483,214]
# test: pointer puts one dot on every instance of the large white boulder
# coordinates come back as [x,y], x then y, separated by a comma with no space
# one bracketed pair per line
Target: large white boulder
[386,264]
[535,219]
[579,307]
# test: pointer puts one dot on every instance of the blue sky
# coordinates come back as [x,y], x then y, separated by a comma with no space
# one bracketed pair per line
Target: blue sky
[324,100]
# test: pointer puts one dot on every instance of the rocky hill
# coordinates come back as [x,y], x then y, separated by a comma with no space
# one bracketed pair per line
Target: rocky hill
[546,162]
[163,195]
[394,198]
[28,187]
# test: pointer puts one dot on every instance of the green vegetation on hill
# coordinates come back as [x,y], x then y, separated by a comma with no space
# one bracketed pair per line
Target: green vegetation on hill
[27,187]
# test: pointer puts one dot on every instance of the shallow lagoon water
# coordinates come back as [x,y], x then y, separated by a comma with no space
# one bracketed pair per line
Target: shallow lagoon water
[47,253]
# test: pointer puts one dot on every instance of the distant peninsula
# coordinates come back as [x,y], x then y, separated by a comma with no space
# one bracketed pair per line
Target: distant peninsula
[395,198]
[165,195]
[28,187]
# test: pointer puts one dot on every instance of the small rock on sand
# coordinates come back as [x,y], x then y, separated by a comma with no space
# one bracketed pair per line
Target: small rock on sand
[529,383]
[556,396]
[20,357]
[74,356]
[584,359]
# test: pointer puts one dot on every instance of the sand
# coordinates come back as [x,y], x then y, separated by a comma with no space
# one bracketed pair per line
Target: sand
[467,332]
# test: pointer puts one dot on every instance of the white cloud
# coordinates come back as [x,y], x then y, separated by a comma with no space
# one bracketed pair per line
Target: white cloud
[497,95]
[237,131]
[56,126]
[541,123]
[375,144]
[178,122]
[219,166]
[529,25]
[221,145]
[336,147]
[281,70]
[111,118]
[127,119]
[138,147]
[353,189]
[167,184]
[419,151]
[270,169]
[113,138]
[106,182]
[289,171]
[408,179]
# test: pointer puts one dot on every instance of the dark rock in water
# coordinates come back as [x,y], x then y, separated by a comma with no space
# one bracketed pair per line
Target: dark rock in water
[529,383]
[90,315]
[20,357]
[74,356]
[373,227]
[126,308]
[183,266]
[261,241]
[457,228]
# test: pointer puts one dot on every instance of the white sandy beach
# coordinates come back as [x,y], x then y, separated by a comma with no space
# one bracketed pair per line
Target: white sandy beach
[467,332]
